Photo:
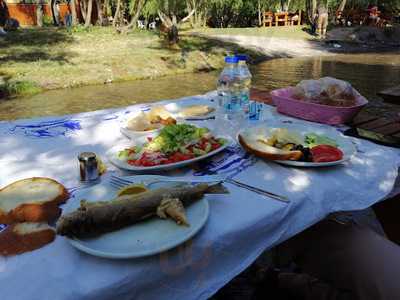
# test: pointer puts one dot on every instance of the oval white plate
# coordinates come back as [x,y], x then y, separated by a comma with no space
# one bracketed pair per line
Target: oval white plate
[112,156]
[175,110]
[344,143]
[132,134]
[145,238]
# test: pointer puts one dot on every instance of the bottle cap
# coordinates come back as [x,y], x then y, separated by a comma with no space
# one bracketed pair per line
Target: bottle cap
[231,59]
[241,57]
[86,156]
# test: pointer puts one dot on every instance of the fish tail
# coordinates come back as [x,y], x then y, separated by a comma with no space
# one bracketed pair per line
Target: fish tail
[217,188]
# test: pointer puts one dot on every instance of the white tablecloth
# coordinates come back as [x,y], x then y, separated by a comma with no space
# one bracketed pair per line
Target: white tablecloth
[241,225]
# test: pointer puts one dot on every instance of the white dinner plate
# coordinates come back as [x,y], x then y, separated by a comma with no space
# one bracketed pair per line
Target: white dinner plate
[145,238]
[174,109]
[112,155]
[344,143]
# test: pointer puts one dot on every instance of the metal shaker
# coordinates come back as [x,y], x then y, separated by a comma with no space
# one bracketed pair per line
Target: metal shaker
[88,167]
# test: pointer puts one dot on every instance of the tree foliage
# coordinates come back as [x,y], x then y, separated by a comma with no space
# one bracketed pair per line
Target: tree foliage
[215,13]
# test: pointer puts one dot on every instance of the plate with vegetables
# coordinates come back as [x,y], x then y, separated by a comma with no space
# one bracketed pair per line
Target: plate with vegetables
[298,145]
[175,146]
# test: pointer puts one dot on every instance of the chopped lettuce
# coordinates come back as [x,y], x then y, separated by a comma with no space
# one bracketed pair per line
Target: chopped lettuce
[128,152]
[198,152]
[173,137]
[123,154]
[313,139]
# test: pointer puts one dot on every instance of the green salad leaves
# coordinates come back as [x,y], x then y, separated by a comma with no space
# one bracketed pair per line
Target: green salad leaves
[313,139]
[174,137]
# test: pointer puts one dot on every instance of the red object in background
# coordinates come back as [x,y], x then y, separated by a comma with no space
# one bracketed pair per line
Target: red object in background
[326,153]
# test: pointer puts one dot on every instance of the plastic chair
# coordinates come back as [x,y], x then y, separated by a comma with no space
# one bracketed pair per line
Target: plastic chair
[152,25]
[141,24]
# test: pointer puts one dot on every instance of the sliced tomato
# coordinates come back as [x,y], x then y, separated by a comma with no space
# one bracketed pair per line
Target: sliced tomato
[131,161]
[215,146]
[326,153]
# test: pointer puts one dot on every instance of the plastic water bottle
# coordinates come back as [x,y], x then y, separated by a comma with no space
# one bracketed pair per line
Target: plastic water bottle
[230,110]
[245,83]
[229,89]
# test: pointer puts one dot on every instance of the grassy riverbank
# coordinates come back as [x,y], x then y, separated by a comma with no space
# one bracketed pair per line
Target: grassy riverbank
[284,32]
[37,59]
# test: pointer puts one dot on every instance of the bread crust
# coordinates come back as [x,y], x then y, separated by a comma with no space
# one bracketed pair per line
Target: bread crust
[291,155]
[12,242]
[47,211]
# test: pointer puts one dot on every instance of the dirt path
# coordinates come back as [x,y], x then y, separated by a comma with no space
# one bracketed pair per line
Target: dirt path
[276,47]
[273,47]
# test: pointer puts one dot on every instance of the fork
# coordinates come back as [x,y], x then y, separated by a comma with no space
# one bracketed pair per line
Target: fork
[119,182]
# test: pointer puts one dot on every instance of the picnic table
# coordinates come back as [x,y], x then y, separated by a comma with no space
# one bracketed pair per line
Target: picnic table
[240,227]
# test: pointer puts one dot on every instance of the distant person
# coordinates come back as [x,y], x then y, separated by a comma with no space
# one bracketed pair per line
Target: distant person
[314,23]
[11,24]
[373,15]
[68,18]
[322,20]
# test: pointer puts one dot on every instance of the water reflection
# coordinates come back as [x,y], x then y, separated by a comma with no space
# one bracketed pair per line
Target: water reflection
[369,73]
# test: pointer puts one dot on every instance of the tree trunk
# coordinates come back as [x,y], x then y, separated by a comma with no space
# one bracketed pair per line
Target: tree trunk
[259,13]
[83,6]
[171,23]
[55,12]
[89,13]
[39,14]
[342,5]
[73,12]
[311,7]
[99,13]
[135,17]
[173,34]
[116,15]
[4,14]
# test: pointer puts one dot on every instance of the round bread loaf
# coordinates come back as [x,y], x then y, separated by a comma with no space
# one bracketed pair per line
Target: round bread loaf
[253,144]
[33,199]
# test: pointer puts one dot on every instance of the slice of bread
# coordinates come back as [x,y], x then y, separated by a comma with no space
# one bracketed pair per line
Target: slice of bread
[31,200]
[24,237]
[254,144]
[196,111]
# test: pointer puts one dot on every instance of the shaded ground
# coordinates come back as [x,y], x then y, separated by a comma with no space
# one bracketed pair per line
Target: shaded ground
[49,58]
[287,32]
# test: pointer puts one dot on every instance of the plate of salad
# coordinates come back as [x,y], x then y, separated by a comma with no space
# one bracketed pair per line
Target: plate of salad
[176,145]
[298,145]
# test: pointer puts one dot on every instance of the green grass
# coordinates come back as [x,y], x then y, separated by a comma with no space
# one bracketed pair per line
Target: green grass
[19,88]
[288,32]
[50,58]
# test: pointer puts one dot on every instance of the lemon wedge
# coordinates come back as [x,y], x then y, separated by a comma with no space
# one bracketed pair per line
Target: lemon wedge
[101,166]
[132,189]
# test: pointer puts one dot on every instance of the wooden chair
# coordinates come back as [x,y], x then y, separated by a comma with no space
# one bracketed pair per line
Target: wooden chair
[268,18]
[295,18]
[281,18]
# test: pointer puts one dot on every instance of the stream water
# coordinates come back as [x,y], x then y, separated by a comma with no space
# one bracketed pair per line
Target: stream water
[369,73]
